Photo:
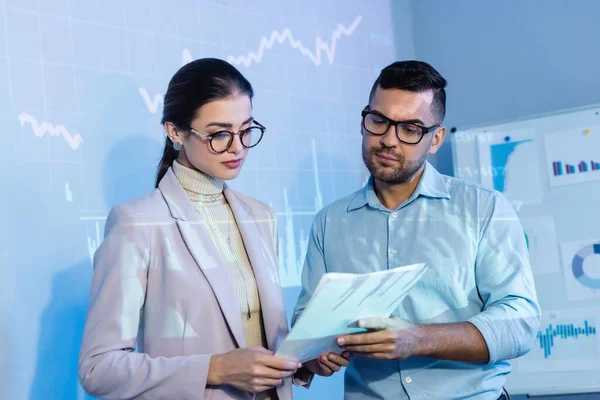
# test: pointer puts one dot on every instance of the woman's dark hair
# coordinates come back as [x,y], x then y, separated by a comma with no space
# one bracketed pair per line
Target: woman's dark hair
[195,84]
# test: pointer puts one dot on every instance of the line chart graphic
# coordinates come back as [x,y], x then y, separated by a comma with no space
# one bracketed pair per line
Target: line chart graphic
[321,47]
[266,44]
[74,140]
[152,104]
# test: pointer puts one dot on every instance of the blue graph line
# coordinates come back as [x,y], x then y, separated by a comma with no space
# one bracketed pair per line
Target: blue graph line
[563,332]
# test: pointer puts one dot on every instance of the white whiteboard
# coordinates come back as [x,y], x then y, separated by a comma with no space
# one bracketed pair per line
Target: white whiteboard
[549,167]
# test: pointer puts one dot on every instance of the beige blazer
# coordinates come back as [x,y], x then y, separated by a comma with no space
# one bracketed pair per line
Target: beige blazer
[161,287]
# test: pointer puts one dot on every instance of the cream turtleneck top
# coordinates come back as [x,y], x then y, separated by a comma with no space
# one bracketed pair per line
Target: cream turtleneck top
[206,193]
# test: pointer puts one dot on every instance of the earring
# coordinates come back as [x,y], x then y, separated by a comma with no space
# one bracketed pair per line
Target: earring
[177,146]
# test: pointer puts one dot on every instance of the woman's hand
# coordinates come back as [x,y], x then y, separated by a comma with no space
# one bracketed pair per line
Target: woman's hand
[253,369]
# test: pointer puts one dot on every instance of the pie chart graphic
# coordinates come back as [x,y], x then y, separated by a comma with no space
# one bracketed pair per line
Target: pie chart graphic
[577,265]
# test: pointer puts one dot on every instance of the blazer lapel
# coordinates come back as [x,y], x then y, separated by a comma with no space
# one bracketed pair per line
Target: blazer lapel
[205,253]
[259,247]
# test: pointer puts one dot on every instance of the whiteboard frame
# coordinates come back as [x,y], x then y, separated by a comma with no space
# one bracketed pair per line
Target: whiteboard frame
[490,127]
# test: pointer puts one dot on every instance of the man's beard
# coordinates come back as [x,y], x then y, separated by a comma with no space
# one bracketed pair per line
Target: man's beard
[404,172]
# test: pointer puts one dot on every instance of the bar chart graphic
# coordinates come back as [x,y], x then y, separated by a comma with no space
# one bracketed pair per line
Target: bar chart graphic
[583,166]
[568,340]
[573,156]
[553,334]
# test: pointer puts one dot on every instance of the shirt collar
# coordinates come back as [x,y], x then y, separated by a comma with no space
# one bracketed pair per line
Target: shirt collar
[432,184]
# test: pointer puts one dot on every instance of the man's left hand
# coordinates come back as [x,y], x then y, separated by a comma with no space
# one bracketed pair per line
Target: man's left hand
[393,339]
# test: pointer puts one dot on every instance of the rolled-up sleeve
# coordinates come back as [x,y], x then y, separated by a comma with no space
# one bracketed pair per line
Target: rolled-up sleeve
[510,318]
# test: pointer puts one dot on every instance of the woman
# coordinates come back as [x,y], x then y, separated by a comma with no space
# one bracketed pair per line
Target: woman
[188,272]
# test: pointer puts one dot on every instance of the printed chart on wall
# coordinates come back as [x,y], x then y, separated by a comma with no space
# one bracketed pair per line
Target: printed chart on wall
[509,163]
[573,156]
[581,267]
[567,340]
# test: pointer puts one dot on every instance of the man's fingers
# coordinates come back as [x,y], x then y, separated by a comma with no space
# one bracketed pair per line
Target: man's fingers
[384,323]
[369,348]
[338,360]
[324,365]
[364,338]
[331,365]
[379,356]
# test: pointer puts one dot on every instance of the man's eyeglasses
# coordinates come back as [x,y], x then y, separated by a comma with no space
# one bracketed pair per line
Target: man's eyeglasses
[378,124]
[221,141]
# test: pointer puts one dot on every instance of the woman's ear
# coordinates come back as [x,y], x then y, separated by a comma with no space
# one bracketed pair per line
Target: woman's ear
[174,133]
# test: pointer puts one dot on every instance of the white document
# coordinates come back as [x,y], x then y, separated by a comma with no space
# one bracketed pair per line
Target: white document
[339,301]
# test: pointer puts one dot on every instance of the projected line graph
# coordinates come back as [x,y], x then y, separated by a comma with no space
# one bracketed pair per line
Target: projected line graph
[266,44]
[74,140]
[186,57]
[151,103]
[294,243]
[94,243]
[279,37]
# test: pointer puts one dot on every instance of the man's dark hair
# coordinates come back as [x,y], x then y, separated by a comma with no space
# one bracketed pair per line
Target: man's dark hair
[414,76]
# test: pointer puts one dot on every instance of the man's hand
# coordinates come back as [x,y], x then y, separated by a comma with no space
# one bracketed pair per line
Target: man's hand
[393,339]
[327,364]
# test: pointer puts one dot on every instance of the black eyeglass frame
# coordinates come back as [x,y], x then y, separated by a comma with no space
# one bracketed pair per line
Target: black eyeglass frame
[390,122]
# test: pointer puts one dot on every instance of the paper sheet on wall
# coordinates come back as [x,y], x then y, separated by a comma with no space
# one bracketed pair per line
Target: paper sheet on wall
[339,301]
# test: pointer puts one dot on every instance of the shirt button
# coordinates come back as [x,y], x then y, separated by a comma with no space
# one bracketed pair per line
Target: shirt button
[408,379]
[394,214]
[392,251]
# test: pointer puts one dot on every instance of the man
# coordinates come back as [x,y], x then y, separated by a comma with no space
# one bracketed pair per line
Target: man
[475,307]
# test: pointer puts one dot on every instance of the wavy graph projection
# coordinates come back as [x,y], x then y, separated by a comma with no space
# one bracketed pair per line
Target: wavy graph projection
[39,130]
[153,103]
[94,243]
[267,43]
[68,193]
[186,57]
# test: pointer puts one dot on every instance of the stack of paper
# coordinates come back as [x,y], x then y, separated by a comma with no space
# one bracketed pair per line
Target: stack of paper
[339,301]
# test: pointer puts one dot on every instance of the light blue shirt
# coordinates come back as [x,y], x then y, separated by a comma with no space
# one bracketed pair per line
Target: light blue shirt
[475,247]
